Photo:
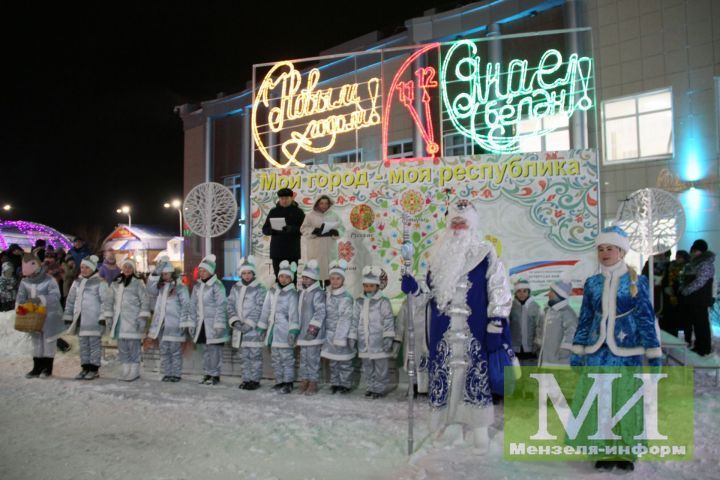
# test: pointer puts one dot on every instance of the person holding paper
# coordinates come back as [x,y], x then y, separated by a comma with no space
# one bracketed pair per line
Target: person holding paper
[283,225]
[321,230]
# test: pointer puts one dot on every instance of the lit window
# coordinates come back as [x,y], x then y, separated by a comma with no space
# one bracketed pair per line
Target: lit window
[455,145]
[557,140]
[401,149]
[638,127]
[346,157]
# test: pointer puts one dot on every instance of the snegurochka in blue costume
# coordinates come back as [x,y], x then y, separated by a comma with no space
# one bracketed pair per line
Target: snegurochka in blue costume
[616,328]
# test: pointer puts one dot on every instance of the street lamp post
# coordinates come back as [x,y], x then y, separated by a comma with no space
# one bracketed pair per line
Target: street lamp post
[176,204]
[126,210]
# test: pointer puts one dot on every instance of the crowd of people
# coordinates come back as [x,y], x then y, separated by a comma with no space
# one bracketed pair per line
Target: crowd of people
[472,322]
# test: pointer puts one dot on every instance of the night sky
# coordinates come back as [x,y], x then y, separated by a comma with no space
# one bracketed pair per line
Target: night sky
[87,107]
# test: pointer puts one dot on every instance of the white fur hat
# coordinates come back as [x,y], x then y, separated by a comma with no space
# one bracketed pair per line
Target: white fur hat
[520,284]
[311,270]
[287,268]
[247,264]
[613,236]
[338,267]
[208,263]
[90,262]
[371,274]
[129,261]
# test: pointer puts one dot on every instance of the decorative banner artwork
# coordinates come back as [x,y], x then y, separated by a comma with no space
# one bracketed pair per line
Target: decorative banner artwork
[540,210]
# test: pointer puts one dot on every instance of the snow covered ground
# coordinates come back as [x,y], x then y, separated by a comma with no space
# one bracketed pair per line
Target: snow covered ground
[105,429]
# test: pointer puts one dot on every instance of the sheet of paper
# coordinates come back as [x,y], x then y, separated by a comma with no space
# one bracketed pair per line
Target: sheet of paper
[277,223]
[329,226]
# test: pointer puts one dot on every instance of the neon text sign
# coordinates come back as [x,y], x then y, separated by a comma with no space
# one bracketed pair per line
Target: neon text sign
[289,105]
[486,104]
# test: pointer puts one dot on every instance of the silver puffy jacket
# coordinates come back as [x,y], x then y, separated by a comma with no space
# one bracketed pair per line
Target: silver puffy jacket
[209,309]
[171,317]
[373,321]
[87,305]
[245,304]
[338,324]
[43,289]
[311,306]
[279,315]
[129,308]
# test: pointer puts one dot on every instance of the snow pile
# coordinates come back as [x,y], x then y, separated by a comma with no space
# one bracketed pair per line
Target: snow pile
[12,342]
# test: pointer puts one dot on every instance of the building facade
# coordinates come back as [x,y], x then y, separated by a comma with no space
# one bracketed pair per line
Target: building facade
[657,75]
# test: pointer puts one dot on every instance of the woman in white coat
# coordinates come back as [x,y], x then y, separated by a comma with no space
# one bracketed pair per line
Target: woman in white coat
[321,229]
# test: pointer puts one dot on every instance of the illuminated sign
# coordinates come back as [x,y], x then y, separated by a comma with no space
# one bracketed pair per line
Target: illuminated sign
[290,107]
[487,104]
[425,77]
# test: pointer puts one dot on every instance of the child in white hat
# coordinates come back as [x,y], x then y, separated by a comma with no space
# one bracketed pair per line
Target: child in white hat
[86,310]
[279,326]
[209,318]
[524,317]
[374,327]
[171,319]
[555,331]
[340,347]
[244,308]
[311,306]
[130,313]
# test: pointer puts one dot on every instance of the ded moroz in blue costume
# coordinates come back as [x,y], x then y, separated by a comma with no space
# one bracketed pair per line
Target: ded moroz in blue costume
[467,331]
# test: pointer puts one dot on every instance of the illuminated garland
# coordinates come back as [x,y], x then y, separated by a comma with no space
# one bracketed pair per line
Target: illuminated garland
[406,95]
[34,231]
[295,103]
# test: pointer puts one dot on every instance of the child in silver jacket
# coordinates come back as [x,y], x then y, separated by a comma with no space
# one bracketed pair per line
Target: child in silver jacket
[209,315]
[279,327]
[339,348]
[374,327]
[311,306]
[171,320]
[556,330]
[87,311]
[130,313]
[244,308]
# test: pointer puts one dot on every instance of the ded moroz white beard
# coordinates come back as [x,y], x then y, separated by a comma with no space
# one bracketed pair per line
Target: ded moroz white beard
[457,252]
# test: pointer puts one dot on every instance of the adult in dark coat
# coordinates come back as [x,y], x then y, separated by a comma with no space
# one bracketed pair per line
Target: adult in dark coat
[285,243]
[696,295]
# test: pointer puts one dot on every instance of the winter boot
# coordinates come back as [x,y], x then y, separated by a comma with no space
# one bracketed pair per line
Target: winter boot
[93,372]
[47,367]
[37,368]
[215,380]
[253,385]
[125,372]
[133,372]
[206,380]
[287,388]
[278,386]
[303,386]
[175,379]
[312,388]
[166,378]
[83,373]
